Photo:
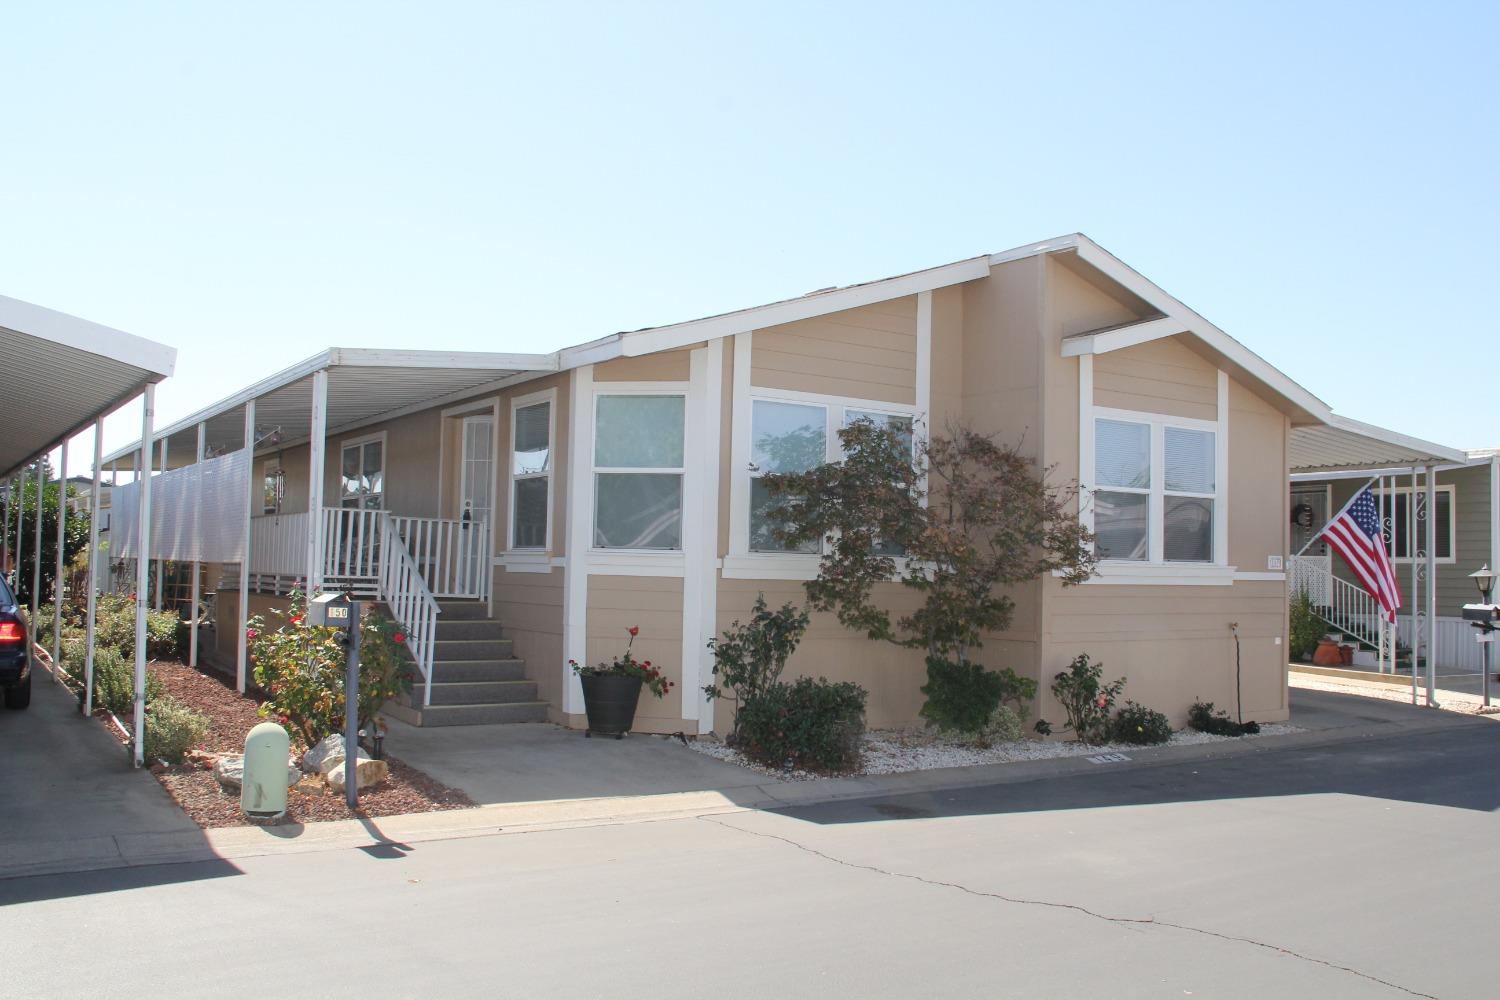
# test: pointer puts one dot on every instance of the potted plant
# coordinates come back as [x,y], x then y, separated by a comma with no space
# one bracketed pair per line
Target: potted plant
[612,689]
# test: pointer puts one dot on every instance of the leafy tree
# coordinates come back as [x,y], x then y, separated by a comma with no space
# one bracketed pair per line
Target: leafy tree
[971,516]
[75,535]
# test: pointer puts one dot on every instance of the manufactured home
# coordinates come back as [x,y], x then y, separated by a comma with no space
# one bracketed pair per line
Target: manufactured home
[514,511]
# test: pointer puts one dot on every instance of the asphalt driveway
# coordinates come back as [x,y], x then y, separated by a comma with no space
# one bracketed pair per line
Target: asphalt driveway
[68,792]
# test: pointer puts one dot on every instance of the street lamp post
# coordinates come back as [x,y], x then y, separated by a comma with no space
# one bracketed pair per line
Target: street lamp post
[1484,579]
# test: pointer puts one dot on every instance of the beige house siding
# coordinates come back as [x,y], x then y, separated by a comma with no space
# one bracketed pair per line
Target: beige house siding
[1259,507]
[667,366]
[864,353]
[654,605]
[530,607]
[1163,376]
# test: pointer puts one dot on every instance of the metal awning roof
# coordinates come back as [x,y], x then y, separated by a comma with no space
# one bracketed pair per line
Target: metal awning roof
[364,387]
[1343,444]
[63,373]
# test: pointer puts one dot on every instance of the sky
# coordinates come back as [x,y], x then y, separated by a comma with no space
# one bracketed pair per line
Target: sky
[254,183]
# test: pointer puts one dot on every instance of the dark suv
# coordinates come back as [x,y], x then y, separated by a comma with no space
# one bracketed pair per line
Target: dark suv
[15,651]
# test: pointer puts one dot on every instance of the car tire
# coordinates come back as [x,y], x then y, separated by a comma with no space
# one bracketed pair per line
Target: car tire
[19,696]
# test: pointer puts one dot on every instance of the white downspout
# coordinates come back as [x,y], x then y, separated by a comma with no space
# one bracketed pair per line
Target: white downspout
[317,446]
[57,582]
[88,660]
[242,653]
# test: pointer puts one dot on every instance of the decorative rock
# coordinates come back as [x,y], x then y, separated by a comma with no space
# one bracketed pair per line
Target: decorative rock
[230,771]
[312,761]
[367,772]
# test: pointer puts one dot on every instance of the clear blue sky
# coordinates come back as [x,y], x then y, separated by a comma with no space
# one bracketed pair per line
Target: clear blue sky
[251,184]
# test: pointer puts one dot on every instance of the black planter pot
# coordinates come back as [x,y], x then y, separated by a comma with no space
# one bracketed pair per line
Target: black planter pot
[609,700]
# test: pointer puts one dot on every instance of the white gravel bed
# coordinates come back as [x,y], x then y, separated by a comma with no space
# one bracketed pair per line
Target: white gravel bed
[900,751]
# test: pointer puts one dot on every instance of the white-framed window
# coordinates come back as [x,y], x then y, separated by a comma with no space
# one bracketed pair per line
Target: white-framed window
[638,467]
[532,430]
[794,432]
[362,472]
[1157,488]
[1398,503]
[272,487]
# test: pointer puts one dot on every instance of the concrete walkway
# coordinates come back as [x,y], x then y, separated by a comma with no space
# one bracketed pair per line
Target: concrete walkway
[69,798]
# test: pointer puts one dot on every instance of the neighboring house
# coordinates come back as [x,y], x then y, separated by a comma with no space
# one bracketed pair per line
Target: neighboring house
[1466,514]
[564,497]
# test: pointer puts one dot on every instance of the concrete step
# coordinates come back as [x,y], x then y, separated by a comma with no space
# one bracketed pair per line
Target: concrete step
[473,693]
[469,628]
[449,650]
[462,610]
[468,715]
[460,671]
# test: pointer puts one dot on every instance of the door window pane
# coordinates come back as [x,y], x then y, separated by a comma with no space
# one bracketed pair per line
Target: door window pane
[1122,454]
[639,432]
[532,451]
[637,511]
[1188,535]
[1120,525]
[529,523]
[1189,460]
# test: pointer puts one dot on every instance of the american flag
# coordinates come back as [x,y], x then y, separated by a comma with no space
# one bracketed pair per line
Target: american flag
[1355,534]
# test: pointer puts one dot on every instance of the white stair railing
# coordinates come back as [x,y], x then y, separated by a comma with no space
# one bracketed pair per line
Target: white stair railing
[1349,608]
[453,555]
[406,593]
[351,545]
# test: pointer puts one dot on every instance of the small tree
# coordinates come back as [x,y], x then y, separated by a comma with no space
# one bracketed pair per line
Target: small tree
[971,517]
[22,501]
[749,658]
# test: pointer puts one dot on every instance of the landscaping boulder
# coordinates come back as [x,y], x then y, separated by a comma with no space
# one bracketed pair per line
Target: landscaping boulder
[367,772]
[328,746]
[230,771]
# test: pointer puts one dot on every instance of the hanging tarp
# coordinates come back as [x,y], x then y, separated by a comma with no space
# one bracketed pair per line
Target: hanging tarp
[197,512]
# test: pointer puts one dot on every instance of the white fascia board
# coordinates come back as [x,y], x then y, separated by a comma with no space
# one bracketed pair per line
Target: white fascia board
[1137,283]
[355,357]
[668,338]
[591,353]
[1056,245]
[81,334]
[285,377]
[1119,337]
[1416,445]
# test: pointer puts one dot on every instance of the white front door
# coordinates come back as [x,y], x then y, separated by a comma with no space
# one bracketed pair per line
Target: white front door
[475,493]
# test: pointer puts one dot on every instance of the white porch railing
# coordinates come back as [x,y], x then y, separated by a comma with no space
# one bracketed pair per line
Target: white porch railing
[453,555]
[1348,608]
[405,562]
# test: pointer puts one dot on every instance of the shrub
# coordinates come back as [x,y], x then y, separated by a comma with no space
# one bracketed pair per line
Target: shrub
[1140,725]
[301,669]
[114,683]
[749,658]
[962,697]
[1304,628]
[1203,718]
[1087,703]
[172,729]
[811,724]
[114,626]
[1004,726]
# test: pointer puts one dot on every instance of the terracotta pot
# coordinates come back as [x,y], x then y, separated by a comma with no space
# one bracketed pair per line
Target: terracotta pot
[1346,653]
[1327,654]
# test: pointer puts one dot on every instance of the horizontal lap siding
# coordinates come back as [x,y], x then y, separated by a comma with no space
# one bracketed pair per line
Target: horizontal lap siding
[654,605]
[864,353]
[530,608]
[1159,377]
[1173,644]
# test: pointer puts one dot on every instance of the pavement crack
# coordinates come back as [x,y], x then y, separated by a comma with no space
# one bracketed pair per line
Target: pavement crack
[1074,907]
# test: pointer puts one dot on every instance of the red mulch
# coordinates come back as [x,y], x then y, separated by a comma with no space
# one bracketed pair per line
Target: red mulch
[232,715]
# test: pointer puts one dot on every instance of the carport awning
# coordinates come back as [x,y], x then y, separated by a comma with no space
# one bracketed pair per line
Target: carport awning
[62,374]
[1343,444]
[364,387]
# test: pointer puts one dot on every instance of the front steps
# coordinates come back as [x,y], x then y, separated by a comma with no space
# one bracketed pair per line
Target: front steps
[476,679]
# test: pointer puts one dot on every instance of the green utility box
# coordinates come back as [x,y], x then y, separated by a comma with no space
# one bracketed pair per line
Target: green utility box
[263,786]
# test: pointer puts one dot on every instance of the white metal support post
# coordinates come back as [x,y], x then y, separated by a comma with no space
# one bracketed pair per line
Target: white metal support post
[10,505]
[142,574]
[1431,595]
[1411,552]
[316,447]
[161,467]
[93,584]
[242,653]
[20,532]
[57,582]
[36,562]
[193,622]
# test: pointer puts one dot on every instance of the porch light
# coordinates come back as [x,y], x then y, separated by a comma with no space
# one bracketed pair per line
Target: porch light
[1484,579]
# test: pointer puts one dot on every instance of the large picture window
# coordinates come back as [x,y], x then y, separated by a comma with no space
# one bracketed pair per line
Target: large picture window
[638,471]
[362,474]
[1155,491]
[531,474]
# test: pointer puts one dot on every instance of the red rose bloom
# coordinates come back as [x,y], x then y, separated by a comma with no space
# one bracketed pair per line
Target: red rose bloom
[634,631]
[399,637]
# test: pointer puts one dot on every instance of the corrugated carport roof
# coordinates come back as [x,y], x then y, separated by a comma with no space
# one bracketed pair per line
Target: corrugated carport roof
[1343,444]
[364,387]
[63,373]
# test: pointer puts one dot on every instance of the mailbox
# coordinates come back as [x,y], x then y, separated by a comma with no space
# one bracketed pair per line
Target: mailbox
[329,610]
[1486,616]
